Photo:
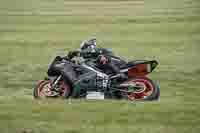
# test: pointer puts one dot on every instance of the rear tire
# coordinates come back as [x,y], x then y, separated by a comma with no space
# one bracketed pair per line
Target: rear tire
[156,93]
[149,92]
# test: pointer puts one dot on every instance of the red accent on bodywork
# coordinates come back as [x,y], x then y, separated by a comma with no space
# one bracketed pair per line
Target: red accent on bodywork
[103,60]
[138,70]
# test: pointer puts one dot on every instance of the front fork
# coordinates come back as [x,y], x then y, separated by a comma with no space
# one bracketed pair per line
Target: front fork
[55,82]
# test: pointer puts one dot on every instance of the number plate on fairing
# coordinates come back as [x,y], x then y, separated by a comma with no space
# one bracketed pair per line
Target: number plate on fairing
[95,95]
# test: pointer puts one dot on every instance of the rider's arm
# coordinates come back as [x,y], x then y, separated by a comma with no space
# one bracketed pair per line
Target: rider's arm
[73,54]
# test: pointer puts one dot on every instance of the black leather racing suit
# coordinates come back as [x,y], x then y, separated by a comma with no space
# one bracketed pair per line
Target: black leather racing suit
[97,55]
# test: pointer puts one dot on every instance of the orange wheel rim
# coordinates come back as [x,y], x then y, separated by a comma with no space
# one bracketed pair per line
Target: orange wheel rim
[147,90]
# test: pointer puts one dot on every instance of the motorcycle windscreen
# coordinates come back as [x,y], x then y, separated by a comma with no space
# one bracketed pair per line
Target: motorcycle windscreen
[142,69]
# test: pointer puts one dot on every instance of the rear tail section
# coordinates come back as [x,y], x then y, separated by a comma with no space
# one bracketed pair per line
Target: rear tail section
[140,68]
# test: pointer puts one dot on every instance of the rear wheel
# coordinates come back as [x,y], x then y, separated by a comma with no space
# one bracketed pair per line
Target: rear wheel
[43,90]
[148,89]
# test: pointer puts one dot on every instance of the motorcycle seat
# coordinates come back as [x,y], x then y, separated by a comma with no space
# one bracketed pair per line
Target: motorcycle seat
[132,63]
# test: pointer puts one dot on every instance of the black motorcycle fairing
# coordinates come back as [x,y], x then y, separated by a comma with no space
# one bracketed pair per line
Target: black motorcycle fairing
[69,73]
[52,70]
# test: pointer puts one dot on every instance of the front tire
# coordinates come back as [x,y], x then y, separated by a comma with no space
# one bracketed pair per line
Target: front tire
[43,90]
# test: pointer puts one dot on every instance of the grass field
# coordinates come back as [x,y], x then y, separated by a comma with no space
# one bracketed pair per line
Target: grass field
[31,31]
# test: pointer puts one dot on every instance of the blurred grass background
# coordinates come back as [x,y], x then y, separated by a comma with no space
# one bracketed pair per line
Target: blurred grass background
[168,31]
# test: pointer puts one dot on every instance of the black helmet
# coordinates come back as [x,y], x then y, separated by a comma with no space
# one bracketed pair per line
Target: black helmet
[89,43]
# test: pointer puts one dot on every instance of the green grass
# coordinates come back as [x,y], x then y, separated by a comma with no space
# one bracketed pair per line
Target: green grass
[168,31]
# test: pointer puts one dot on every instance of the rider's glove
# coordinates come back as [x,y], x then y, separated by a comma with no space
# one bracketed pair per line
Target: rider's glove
[73,54]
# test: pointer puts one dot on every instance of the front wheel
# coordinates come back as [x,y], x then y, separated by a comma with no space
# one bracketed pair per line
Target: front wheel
[43,90]
[148,89]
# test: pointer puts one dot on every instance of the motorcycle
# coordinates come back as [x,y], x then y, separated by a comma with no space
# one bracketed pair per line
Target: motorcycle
[92,82]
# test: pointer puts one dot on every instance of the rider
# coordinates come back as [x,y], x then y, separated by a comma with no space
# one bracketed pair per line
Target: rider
[89,49]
